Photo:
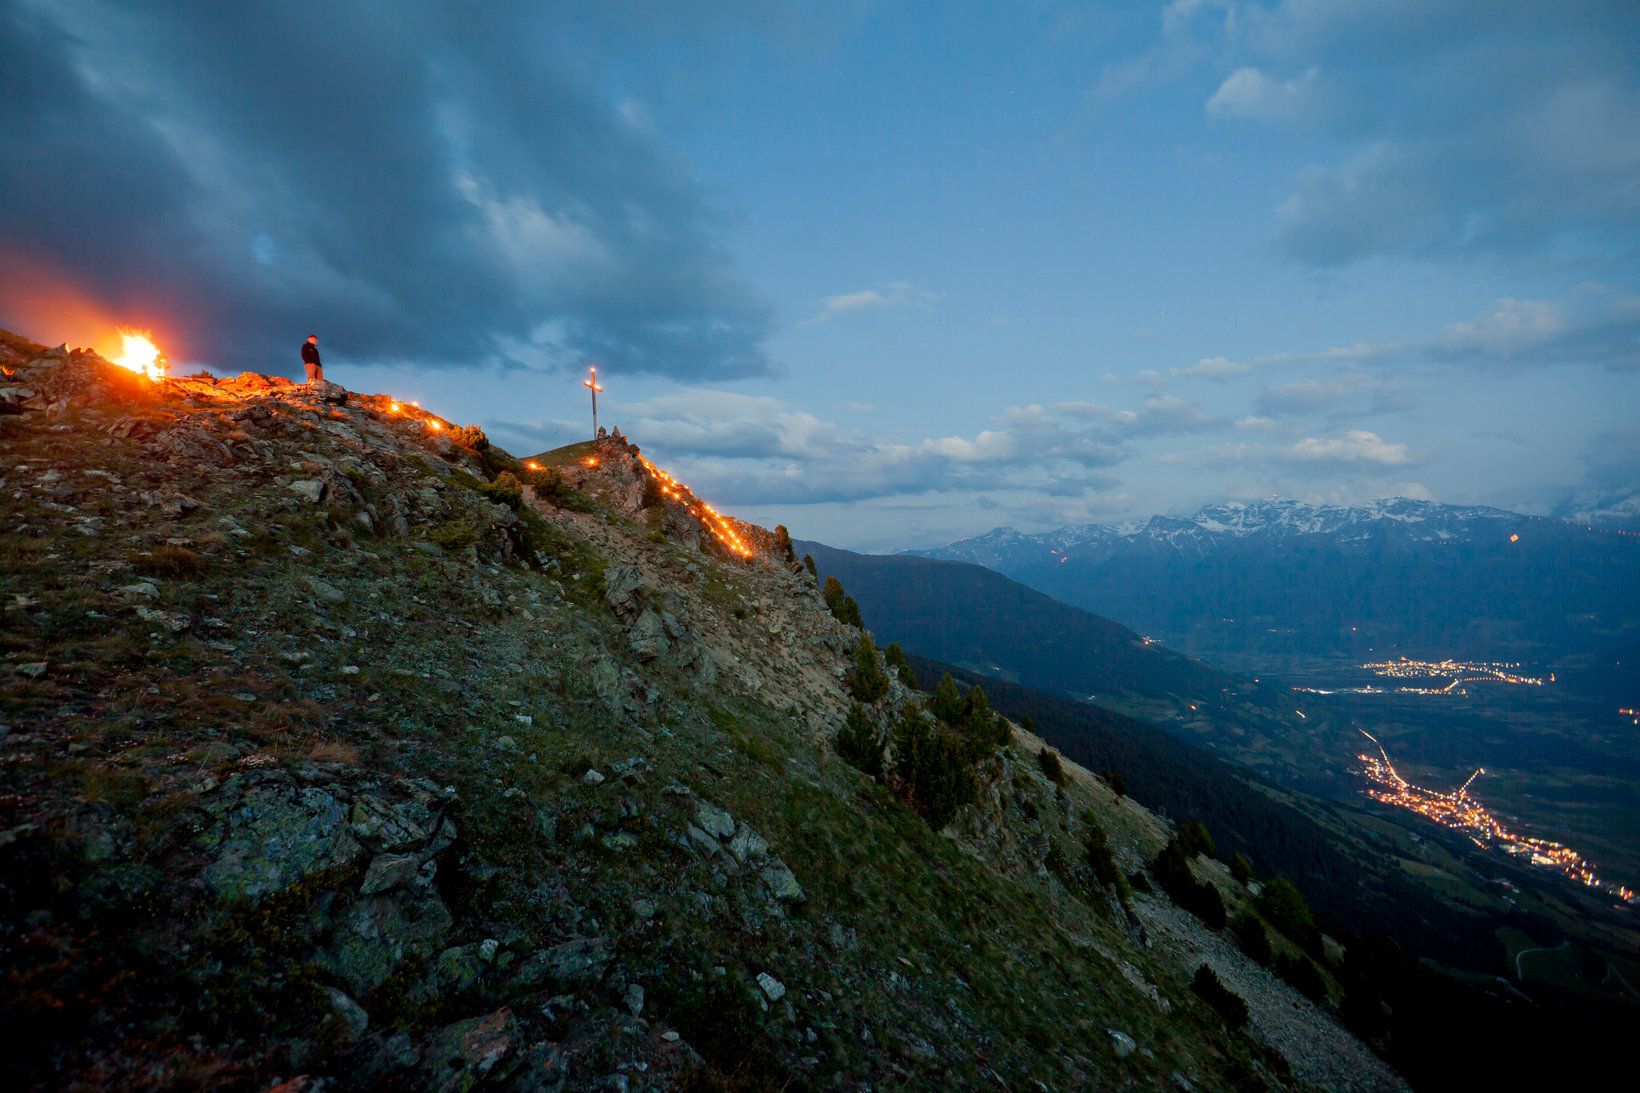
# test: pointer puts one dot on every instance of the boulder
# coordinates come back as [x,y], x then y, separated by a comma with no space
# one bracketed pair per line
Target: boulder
[351,1016]
[624,590]
[324,591]
[277,835]
[714,820]
[311,490]
[378,933]
[648,636]
[389,871]
[782,882]
[461,1055]
[578,962]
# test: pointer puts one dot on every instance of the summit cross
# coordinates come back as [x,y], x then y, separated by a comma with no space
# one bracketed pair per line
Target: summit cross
[592,382]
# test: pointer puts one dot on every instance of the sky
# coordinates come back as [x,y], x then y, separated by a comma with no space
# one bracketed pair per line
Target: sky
[887,273]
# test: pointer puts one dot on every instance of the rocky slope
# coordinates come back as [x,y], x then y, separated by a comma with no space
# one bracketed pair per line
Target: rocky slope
[339,749]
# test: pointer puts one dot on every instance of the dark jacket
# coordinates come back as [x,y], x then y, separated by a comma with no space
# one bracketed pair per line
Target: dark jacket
[310,353]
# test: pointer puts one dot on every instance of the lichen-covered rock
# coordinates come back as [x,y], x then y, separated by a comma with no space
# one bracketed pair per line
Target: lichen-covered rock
[714,820]
[277,835]
[578,962]
[389,871]
[782,882]
[393,827]
[747,845]
[457,971]
[377,933]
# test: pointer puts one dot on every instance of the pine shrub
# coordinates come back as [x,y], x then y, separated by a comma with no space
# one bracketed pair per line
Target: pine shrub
[861,743]
[868,682]
[1226,1002]
[1193,839]
[894,657]
[841,604]
[470,436]
[1252,938]
[1100,859]
[1302,976]
[932,766]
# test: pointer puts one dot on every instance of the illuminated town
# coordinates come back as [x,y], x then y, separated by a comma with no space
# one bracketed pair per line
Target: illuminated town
[1456,673]
[1461,812]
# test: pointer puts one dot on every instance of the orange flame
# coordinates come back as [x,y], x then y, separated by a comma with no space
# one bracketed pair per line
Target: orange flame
[141,354]
[715,522]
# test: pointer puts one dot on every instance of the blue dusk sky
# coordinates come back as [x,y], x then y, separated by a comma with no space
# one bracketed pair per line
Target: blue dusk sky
[887,273]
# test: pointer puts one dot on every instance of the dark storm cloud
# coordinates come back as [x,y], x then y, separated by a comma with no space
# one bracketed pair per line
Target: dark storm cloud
[420,181]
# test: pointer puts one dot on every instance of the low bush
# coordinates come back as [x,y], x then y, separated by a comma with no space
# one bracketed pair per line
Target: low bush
[1225,1002]
[1302,976]
[1172,870]
[505,490]
[453,535]
[471,437]
[169,561]
[1252,938]
[1048,760]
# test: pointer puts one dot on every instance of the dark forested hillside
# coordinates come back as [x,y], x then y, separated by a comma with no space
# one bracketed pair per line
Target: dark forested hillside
[973,617]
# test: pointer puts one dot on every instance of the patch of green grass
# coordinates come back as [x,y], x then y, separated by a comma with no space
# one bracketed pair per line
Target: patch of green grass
[453,535]
[110,785]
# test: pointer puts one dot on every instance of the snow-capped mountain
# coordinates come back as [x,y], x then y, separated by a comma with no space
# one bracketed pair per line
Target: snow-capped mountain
[1278,578]
[1429,521]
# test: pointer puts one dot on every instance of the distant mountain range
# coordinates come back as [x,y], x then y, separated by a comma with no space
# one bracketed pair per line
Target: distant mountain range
[1245,584]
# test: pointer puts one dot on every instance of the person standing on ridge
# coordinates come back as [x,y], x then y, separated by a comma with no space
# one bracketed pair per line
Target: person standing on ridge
[310,357]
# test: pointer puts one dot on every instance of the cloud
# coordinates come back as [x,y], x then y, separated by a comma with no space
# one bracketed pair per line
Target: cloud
[1354,446]
[417,182]
[1184,40]
[1249,94]
[1147,378]
[1354,393]
[1218,368]
[891,296]
[1439,129]
[1593,325]
[1158,415]
[752,450]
